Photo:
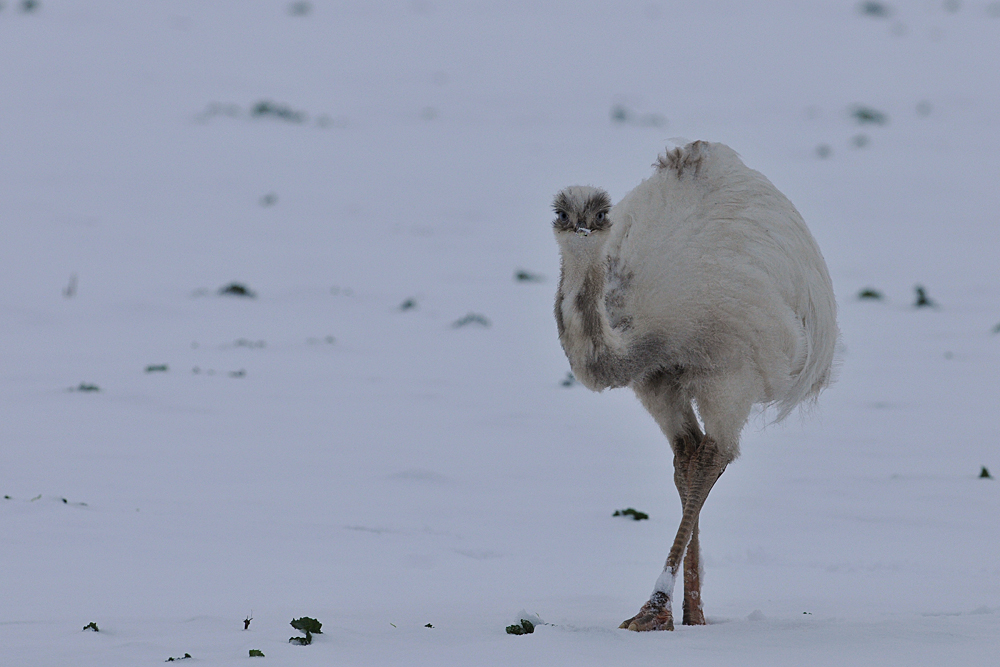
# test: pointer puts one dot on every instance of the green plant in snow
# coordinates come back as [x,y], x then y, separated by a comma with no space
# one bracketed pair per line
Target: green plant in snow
[868,116]
[525,628]
[923,301]
[308,626]
[237,289]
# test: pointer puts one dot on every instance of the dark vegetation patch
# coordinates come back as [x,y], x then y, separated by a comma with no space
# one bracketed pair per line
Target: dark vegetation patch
[868,116]
[632,512]
[186,656]
[870,293]
[308,626]
[237,289]
[91,626]
[874,9]
[526,627]
[85,386]
[985,474]
[269,109]
[256,653]
[157,368]
[922,300]
[622,115]
[523,276]
[471,318]
[408,304]
[569,380]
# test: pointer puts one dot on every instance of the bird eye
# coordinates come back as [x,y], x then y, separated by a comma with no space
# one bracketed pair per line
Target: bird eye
[601,216]
[562,215]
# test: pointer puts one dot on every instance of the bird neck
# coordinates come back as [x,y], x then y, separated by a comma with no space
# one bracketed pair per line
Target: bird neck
[593,348]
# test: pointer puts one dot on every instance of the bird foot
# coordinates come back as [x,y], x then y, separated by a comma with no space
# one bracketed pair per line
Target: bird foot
[694,617]
[693,614]
[654,615]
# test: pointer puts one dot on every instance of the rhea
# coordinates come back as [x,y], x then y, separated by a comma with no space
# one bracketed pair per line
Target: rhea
[704,292]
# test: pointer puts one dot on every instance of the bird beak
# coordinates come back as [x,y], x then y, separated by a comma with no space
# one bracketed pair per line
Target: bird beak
[583,231]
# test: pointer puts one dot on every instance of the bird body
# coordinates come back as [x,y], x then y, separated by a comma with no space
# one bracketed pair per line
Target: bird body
[701,289]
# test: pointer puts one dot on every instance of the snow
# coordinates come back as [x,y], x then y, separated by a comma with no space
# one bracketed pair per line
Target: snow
[376,467]
[665,584]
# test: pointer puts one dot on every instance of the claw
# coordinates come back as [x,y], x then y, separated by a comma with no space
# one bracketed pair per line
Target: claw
[654,615]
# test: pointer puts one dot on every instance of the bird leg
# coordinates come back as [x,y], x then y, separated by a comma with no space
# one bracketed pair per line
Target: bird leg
[702,469]
[693,614]
[684,446]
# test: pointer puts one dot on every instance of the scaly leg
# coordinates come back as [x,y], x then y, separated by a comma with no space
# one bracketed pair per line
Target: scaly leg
[684,446]
[693,614]
[704,467]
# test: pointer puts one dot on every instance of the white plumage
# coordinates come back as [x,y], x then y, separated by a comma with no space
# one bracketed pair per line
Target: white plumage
[702,288]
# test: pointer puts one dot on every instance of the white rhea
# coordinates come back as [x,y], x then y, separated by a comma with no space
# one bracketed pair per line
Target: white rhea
[701,289]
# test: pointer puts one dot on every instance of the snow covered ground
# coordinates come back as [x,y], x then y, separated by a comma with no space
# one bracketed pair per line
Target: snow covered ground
[321,450]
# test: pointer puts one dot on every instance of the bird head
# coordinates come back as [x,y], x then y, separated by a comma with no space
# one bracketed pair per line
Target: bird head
[582,210]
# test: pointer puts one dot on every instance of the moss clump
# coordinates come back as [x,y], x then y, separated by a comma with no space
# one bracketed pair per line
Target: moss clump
[985,474]
[308,626]
[923,301]
[266,108]
[237,289]
[873,8]
[525,628]
[869,116]
[523,276]
[632,512]
[870,293]
[471,318]
[255,653]
[93,626]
